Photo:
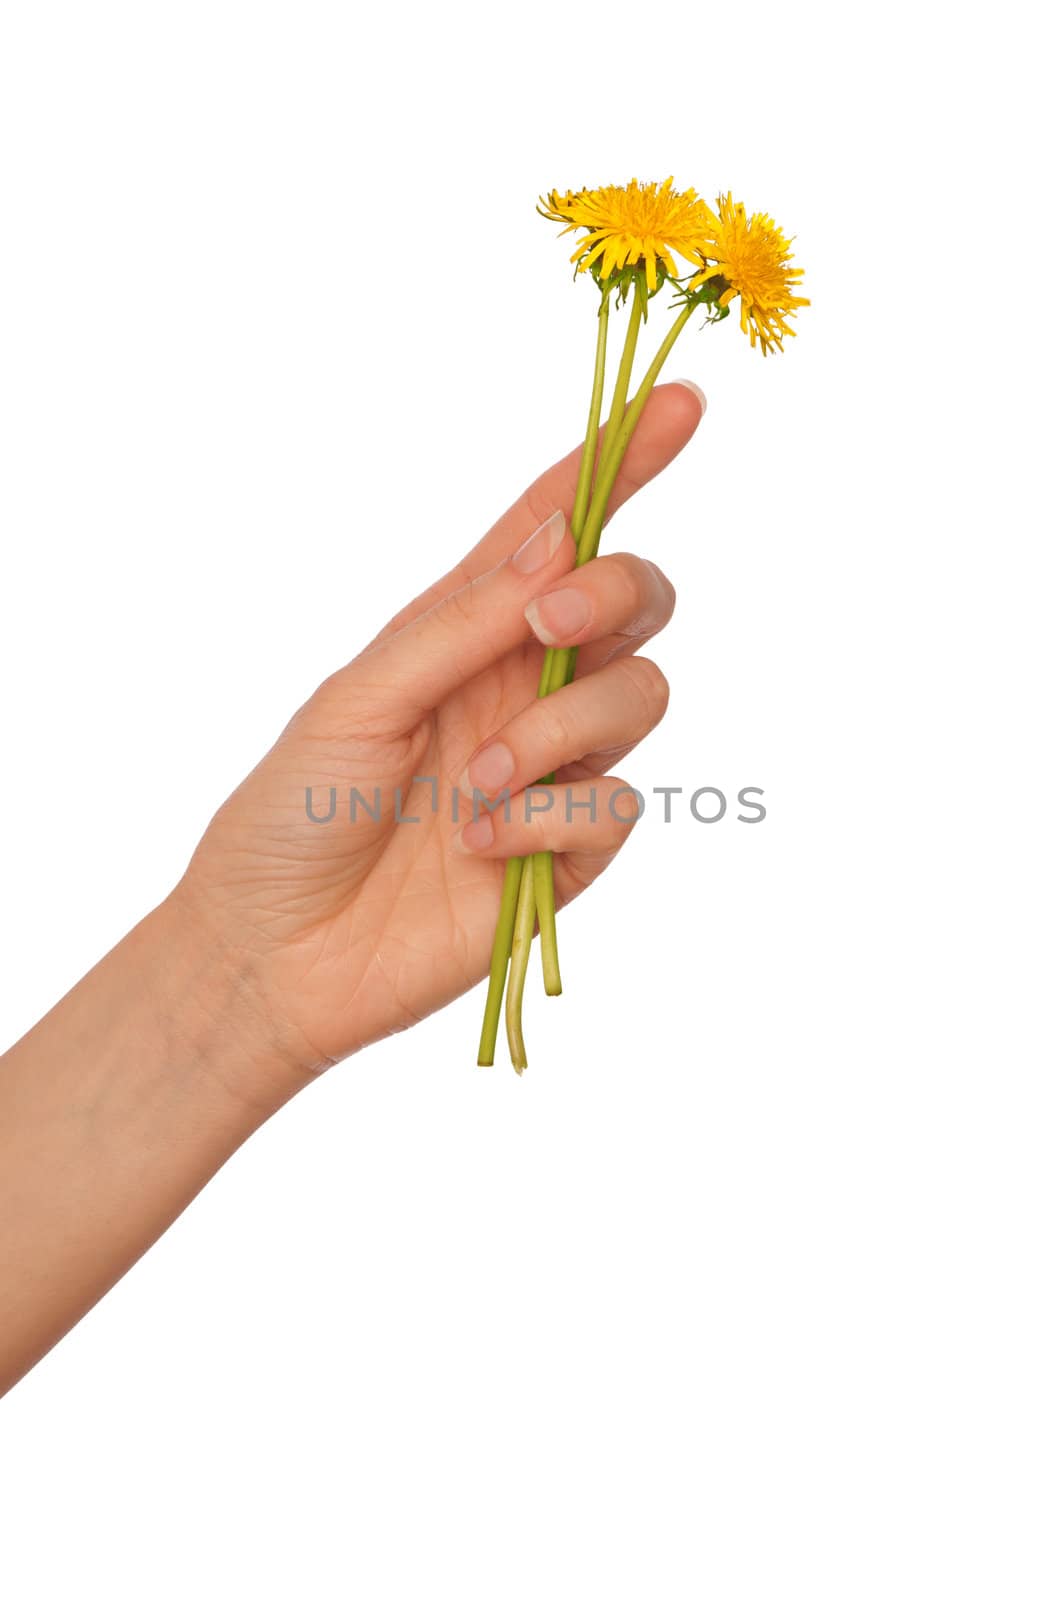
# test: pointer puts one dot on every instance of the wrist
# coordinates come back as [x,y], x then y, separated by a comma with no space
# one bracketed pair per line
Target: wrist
[213,1000]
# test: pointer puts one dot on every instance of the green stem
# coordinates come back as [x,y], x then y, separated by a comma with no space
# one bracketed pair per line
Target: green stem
[507,914]
[623,375]
[546,911]
[527,886]
[523,933]
[563,666]
[591,532]
[543,861]
[590,440]
[562,662]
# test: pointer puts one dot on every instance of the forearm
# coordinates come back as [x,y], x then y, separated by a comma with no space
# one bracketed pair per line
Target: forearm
[115,1110]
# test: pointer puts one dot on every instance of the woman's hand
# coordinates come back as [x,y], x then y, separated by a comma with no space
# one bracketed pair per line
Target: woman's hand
[346,931]
[289,944]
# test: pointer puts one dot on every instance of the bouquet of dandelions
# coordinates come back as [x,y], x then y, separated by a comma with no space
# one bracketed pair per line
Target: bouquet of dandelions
[630,240]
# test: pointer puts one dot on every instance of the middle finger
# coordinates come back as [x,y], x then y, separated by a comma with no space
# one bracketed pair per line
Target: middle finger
[609,607]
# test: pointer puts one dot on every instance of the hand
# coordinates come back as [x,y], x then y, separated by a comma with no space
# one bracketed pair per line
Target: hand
[287,945]
[356,930]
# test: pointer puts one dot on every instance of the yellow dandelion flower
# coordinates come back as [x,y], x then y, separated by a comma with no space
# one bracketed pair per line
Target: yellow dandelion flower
[638,225]
[753,255]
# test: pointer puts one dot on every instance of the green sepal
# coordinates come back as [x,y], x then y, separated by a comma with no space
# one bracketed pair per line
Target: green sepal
[623,279]
[707,294]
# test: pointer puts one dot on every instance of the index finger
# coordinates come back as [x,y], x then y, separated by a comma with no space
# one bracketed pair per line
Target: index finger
[668,422]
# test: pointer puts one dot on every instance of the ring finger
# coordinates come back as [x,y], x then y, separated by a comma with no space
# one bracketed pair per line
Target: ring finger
[609,607]
[608,711]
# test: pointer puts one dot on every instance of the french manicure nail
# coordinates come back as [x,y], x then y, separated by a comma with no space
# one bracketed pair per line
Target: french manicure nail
[477,835]
[560,615]
[699,394]
[536,551]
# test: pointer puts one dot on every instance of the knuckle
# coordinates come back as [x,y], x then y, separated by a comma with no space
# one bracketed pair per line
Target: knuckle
[459,610]
[624,807]
[538,503]
[553,725]
[545,833]
[629,480]
[620,825]
[630,591]
[533,824]
[649,685]
[667,588]
[349,706]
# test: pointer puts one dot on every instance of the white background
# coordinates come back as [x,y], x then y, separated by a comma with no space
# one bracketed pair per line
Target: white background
[750,1287]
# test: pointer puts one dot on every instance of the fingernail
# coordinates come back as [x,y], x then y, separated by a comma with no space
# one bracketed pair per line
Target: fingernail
[536,551]
[702,399]
[489,770]
[477,835]
[559,615]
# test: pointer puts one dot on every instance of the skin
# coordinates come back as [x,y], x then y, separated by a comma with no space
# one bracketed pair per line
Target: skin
[287,946]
